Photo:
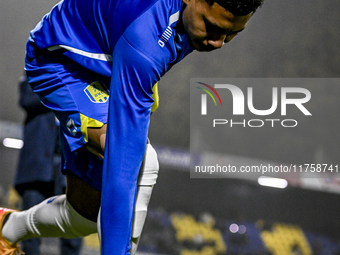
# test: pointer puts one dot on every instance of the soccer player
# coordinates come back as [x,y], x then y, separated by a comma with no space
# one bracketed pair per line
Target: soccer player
[94,63]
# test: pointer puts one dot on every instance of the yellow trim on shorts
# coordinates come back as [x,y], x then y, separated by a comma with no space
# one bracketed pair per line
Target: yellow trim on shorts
[87,122]
[155,96]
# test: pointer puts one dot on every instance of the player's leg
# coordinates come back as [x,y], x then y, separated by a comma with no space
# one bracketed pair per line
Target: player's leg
[56,217]
[84,198]
[146,180]
[79,98]
[67,246]
[57,81]
[30,198]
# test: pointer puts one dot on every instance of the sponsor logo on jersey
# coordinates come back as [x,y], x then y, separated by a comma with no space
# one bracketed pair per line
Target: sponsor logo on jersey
[97,92]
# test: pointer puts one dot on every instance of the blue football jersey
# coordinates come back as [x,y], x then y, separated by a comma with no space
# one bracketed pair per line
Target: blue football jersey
[134,42]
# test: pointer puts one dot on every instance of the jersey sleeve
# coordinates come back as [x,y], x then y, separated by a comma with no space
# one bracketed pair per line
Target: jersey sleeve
[133,76]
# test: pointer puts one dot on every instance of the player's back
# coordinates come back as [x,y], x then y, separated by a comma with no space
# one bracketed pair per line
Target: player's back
[87,31]
[88,28]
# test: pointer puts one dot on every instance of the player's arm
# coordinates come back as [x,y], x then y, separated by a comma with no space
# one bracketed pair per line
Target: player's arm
[97,136]
[133,76]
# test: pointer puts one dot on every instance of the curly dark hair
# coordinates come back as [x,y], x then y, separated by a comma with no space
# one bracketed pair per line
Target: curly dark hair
[238,7]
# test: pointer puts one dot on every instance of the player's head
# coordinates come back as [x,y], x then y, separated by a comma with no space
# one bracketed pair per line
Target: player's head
[211,23]
[238,7]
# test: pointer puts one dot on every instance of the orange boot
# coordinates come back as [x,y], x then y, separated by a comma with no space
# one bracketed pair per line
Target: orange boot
[6,248]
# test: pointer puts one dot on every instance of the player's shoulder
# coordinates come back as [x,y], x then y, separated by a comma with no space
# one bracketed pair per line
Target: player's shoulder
[129,10]
[150,34]
[154,17]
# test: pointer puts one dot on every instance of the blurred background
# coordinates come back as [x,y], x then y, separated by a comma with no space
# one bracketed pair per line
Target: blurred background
[284,39]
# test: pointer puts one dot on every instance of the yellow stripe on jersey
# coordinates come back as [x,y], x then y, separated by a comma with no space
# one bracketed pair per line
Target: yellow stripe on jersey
[155,96]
